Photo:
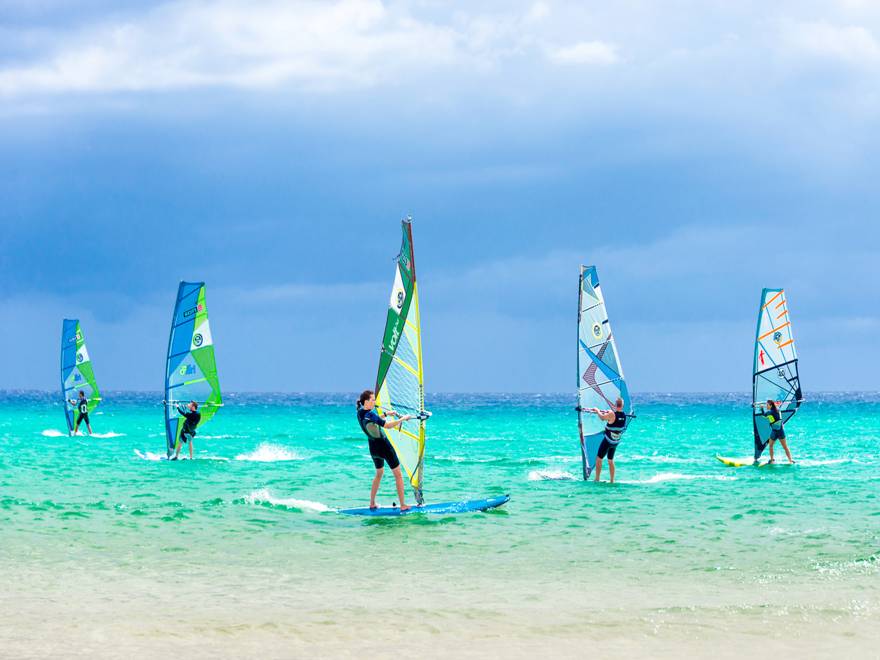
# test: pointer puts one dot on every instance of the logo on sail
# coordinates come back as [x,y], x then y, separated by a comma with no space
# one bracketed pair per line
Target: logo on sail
[198,339]
[777,336]
[187,370]
[79,358]
[401,296]
[597,330]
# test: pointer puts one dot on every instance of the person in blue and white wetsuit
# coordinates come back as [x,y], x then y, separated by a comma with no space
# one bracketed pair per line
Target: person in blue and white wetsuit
[777,430]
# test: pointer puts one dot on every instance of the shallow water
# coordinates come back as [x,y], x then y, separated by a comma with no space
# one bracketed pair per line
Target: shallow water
[106,550]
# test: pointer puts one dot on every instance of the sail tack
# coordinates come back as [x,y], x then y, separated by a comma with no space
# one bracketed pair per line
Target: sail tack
[775,373]
[600,379]
[400,381]
[77,373]
[190,368]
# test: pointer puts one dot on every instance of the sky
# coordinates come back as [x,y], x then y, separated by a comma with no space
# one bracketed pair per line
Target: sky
[695,151]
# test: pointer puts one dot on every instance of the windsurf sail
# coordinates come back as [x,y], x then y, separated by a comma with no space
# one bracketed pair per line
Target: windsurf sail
[400,381]
[775,374]
[190,369]
[600,378]
[77,374]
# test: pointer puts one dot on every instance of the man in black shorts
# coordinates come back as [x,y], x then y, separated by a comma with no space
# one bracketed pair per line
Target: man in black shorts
[381,450]
[615,425]
[82,412]
[192,417]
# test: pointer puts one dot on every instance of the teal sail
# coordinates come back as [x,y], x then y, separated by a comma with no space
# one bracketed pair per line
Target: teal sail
[600,378]
[775,368]
[77,374]
[190,368]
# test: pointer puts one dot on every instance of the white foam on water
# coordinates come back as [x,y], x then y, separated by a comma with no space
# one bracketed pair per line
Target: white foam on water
[678,476]
[108,434]
[269,453]
[148,455]
[263,496]
[550,475]
[52,433]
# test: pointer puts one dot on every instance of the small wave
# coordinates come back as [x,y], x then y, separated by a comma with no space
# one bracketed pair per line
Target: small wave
[678,476]
[108,434]
[665,459]
[52,433]
[262,496]
[148,455]
[807,462]
[268,453]
[550,475]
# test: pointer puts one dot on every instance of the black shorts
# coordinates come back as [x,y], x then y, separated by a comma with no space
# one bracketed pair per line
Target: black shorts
[382,452]
[607,449]
[777,434]
[82,417]
[186,436]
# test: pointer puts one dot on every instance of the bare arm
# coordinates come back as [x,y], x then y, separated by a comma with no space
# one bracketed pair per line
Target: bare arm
[389,424]
[605,415]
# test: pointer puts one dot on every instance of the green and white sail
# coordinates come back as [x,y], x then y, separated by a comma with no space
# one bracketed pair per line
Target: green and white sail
[77,374]
[775,368]
[600,378]
[190,368]
[400,382]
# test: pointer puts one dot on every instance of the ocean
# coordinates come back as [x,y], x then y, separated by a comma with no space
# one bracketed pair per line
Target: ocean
[106,551]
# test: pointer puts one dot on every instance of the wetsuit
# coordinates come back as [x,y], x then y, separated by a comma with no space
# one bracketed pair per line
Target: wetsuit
[381,450]
[777,432]
[192,419]
[613,431]
[82,412]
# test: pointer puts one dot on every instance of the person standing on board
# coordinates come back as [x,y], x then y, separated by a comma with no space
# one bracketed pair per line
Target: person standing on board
[381,450]
[188,432]
[82,411]
[615,425]
[777,430]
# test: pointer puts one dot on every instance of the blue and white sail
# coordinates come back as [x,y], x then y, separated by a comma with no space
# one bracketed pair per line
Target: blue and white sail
[775,369]
[600,379]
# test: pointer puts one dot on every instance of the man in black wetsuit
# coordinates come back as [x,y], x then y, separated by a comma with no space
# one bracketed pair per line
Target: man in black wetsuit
[381,450]
[191,420]
[615,425]
[82,412]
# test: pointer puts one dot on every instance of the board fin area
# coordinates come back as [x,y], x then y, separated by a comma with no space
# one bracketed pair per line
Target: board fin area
[468,506]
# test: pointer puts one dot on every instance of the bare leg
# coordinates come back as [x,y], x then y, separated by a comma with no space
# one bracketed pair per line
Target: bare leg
[598,468]
[190,448]
[75,427]
[787,452]
[398,478]
[375,489]
[89,427]
[772,442]
[611,468]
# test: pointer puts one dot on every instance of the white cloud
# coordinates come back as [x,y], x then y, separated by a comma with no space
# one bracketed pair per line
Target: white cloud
[853,45]
[584,52]
[238,44]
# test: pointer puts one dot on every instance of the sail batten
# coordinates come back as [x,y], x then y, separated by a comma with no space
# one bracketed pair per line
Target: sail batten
[600,379]
[77,373]
[775,373]
[400,380]
[190,366]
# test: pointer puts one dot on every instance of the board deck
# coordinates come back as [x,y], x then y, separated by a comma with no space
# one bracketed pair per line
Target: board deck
[440,507]
[748,462]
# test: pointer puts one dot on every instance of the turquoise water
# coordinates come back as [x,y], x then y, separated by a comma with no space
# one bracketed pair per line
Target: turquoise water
[241,551]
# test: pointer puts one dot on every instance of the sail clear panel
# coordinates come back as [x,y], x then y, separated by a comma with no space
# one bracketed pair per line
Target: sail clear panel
[400,382]
[600,379]
[190,368]
[77,374]
[775,370]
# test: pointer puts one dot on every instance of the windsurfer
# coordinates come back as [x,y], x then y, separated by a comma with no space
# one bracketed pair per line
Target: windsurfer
[381,449]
